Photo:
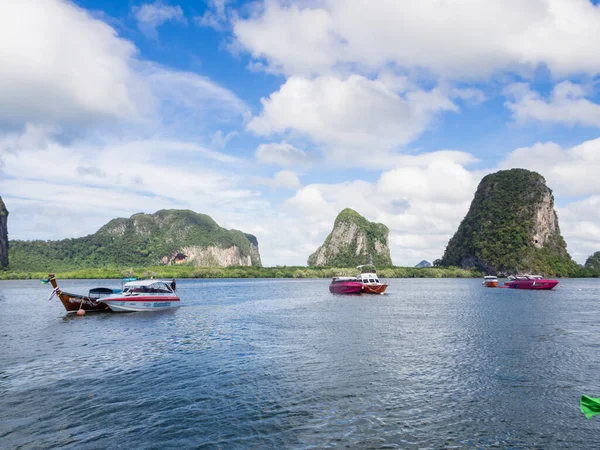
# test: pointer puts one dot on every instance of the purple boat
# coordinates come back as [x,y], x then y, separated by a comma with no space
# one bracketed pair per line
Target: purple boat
[345,285]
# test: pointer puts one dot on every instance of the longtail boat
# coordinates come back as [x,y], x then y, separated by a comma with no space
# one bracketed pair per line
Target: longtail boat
[75,302]
[136,295]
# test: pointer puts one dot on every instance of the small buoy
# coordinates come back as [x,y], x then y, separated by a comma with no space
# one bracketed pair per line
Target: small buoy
[81,312]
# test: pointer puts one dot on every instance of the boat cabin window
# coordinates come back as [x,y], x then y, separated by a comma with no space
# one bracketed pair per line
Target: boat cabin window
[376,280]
[372,280]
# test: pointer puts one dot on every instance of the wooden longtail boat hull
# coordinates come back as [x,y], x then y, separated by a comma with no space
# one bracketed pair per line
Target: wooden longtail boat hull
[75,302]
[490,283]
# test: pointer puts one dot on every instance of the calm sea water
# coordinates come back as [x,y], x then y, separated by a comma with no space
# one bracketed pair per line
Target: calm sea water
[284,364]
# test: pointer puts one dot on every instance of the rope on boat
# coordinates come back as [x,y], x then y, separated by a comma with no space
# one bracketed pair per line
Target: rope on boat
[53,293]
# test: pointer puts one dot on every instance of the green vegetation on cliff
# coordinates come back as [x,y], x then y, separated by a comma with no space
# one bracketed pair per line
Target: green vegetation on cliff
[353,241]
[593,262]
[142,240]
[511,227]
[591,267]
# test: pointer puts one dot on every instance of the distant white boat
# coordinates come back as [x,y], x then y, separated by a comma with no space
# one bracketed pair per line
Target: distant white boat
[143,295]
[490,281]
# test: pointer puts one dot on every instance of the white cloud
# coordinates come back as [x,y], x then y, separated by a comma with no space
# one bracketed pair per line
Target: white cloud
[220,139]
[215,15]
[65,70]
[281,154]
[422,204]
[284,179]
[290,39]
[468,38]
[186,101]
[580,226]
[150,16]
[569,172]
[567,104]
[349,114]
[61,65]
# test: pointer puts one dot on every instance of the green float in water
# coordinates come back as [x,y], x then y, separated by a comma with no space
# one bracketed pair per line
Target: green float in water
[590,406]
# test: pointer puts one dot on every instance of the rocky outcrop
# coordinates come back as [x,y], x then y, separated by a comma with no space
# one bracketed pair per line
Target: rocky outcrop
[353,241]
[254,253]
[593,262]
[511,227]
[3,234]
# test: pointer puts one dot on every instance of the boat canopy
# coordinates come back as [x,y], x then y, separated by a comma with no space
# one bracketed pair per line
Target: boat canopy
[491,277]
[370,268]
[344,278]
[145,286]
[145,283]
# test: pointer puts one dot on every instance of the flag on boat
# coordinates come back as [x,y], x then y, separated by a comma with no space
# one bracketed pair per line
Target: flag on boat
[590,406]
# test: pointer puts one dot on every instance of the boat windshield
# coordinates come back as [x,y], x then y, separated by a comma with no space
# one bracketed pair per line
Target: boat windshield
[154,288]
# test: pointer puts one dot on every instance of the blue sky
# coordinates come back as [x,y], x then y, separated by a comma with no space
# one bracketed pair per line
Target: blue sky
[272,116]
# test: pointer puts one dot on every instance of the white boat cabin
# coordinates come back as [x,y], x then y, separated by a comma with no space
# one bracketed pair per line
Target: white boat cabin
[147,287]
[367,276]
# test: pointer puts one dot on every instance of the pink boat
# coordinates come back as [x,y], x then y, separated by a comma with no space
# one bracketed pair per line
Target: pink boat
[345,285]
[530,282]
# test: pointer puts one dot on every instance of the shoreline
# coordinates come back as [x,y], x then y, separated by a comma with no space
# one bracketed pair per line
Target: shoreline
[182,272]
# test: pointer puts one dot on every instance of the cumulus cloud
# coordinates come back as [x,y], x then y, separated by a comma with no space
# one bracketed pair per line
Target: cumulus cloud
[150,16]
[569,172]
[59,64]
[351,113]
[567,104]
[281,154]
[284,179]
[466,39]
[63,69]
[421,202]
[580,226]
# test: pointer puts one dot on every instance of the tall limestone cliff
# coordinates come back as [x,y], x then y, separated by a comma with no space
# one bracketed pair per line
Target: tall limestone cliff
[353,241]
[3,235]
[165,237]
[511,227]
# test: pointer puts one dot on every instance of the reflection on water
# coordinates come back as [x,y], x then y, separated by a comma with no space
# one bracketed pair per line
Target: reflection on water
[284,364]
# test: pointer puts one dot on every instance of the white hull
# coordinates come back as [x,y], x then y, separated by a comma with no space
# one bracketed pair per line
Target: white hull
[118,306]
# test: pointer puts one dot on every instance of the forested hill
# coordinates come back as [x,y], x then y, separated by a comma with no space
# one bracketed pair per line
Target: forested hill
[511,227]
[166,237]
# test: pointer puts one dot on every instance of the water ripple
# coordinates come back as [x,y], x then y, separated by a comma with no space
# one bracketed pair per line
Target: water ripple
[283,364]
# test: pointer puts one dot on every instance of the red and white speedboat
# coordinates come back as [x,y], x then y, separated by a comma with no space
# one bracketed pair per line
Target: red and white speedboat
[530,282]
[366,282]
[143,295]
